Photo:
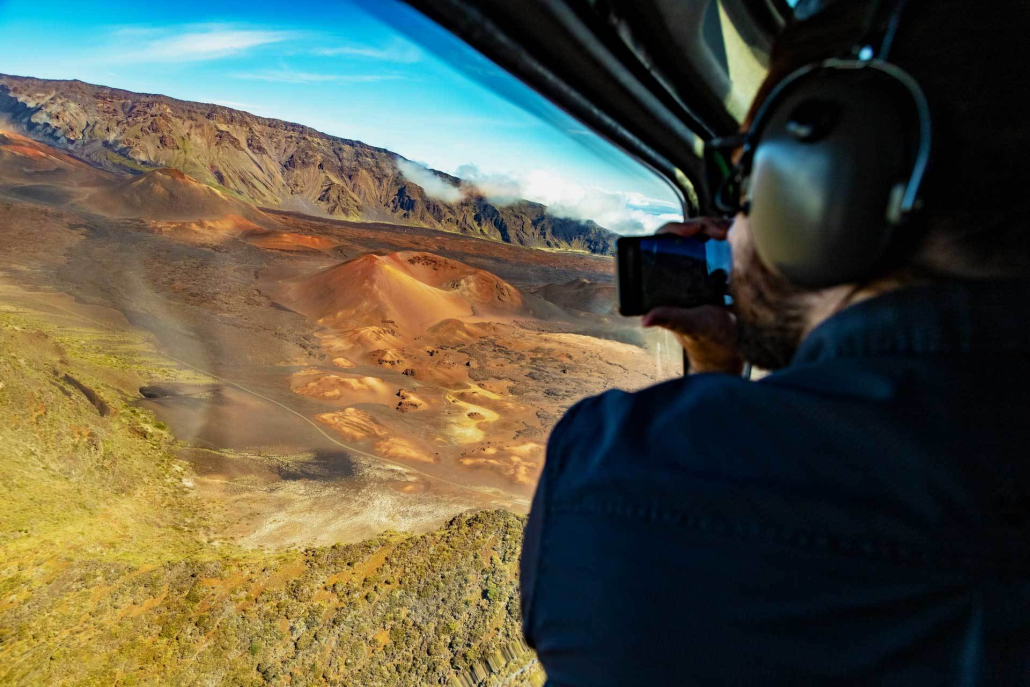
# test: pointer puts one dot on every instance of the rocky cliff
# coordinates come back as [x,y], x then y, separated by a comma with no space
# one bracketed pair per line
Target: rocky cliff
[268,162]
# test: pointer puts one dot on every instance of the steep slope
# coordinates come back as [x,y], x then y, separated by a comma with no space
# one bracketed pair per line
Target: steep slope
[22,154]
[168,194]
[398,295]
[110,575]
[23,160]
[267,161]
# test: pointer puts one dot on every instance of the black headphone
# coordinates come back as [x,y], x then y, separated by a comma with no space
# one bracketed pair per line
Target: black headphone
[833,164]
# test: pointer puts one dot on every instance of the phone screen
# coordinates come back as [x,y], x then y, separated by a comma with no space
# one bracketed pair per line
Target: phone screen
[669,270]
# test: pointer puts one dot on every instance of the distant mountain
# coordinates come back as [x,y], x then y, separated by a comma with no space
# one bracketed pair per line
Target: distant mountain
[268,162]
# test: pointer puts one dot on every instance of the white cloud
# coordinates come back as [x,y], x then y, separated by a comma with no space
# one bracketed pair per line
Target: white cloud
[622,212]
[137,32]
[499,189]
[285,75]
[639,222]
[397,51]
[203,44]
[434,186]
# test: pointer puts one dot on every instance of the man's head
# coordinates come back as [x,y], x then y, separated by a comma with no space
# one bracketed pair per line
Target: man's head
[973,225]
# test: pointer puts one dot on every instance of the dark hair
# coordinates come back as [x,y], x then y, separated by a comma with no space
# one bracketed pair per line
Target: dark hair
[965,56]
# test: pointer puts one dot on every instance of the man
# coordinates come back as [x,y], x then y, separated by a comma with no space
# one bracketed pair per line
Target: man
[862,514]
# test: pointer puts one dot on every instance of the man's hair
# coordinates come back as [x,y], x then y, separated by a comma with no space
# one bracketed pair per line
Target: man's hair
[965,55]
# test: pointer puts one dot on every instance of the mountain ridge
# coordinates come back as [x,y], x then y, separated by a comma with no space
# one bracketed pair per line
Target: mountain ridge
[269,162]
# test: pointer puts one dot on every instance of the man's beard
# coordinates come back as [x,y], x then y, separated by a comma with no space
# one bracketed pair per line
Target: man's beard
[769,309]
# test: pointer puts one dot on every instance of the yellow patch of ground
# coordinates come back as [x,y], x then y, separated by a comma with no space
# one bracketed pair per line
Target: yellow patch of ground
[520,462]
[344,388]
[358,425]
[466,427]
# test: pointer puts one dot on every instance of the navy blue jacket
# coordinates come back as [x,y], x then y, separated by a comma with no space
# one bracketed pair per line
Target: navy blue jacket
[860,517]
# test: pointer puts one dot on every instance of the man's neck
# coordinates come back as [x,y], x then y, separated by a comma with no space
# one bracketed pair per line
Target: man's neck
[825,304]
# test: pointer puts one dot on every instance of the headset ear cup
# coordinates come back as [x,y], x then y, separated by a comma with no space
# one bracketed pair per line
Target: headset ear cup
[832,156]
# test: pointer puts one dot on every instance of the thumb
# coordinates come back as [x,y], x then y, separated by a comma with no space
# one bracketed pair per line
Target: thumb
[664,317]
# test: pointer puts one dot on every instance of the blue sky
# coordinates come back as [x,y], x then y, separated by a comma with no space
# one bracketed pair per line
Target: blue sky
[341,70]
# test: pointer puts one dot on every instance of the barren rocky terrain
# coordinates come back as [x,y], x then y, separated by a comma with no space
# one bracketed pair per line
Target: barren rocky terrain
[446,357]
[235,432]
[268,162]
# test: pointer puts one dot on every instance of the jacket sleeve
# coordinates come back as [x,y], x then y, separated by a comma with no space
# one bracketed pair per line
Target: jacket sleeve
[529,564]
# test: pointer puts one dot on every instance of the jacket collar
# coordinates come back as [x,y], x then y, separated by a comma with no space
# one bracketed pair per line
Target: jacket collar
[945,318]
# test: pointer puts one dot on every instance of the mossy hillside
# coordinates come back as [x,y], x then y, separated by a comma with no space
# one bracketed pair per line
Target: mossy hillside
[108,575]
[76,481]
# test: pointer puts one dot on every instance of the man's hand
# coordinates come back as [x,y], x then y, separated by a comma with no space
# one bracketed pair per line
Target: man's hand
[708,334]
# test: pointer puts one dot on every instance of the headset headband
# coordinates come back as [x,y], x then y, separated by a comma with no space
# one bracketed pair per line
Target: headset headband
[872,25]
[835,160]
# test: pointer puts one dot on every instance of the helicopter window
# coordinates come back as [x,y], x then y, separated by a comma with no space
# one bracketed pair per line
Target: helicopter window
[285,302]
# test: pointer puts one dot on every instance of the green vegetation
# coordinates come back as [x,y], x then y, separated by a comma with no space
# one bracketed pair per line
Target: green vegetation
[109,574]
[231,193]
[127,163]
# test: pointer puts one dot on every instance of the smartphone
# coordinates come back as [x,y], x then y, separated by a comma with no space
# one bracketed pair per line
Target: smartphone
[670,270]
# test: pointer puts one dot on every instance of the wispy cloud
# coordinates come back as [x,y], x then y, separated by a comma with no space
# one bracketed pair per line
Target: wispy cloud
[625,213]
[285,75]
[434,186]
[499,189]
[137,32]
[396,51]
[194,43]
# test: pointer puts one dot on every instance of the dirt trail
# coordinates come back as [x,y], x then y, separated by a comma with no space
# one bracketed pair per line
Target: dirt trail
[404,466]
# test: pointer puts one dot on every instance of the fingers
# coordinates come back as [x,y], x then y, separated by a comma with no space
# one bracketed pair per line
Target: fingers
[669,318]
[707,334]
[686,229]
[712,227]
[707,321]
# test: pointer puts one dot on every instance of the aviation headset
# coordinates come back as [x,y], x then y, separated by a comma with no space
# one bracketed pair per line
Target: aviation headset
[833,163]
